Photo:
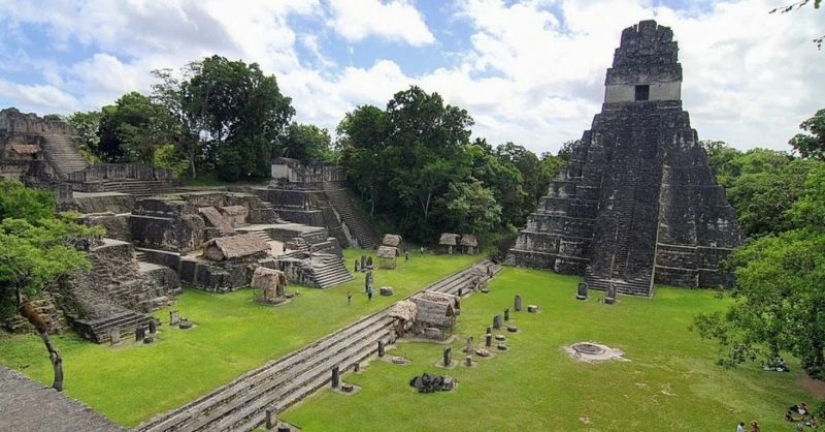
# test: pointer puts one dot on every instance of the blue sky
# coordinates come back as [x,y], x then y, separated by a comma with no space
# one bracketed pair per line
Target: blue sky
[531,72]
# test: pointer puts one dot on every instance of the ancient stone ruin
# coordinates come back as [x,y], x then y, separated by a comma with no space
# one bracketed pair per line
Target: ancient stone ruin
[315,194]
[637,204]
[429,383]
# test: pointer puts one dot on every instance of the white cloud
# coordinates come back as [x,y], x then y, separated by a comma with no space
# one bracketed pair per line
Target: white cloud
[533,72]
[398,20]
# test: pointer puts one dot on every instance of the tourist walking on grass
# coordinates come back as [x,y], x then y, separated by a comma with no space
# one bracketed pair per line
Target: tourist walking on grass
[349,298]
[740,427]
[369,292]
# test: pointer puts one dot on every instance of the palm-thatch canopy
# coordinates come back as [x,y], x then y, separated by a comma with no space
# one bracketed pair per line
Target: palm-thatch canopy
[387,252]
[469,240]
[448,239]
[268,278]
[393,240]
[405,310]
[215,219]
[434,309]
[238,246]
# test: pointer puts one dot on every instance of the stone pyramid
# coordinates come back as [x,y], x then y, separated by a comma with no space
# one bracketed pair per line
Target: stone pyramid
[637,204]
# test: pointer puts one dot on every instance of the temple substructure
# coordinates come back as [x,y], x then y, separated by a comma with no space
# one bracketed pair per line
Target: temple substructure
[637,203]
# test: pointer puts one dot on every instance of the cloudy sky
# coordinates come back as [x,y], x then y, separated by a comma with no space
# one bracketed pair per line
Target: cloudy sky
[531,72]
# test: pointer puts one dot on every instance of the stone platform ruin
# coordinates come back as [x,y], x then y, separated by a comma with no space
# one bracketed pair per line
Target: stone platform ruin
[637,203]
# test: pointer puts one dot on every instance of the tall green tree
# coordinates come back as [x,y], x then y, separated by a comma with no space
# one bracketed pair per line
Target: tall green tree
[306,143]
[86,126]
[37,246]
[426,140]
[472,207]
[131,129]
[362,140]
[227,113]
[778,292]
[812,143]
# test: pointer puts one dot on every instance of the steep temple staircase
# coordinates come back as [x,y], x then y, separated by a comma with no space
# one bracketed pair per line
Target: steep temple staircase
[62,155]
[341,199]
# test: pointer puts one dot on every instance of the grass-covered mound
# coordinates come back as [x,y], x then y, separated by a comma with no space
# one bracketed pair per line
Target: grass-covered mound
[131,383]
[670,381]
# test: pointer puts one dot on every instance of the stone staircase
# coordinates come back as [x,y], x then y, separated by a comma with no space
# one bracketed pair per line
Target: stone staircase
[341,199]
[332,273]
[141,188]
[99,330]
[62,154]
[242,404]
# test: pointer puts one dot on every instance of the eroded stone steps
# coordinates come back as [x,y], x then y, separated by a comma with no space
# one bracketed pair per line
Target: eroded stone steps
[242,404]
[290,389]
[289,366]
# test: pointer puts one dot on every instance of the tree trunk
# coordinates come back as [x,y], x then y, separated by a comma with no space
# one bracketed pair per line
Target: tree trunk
[28,311]
[54,357]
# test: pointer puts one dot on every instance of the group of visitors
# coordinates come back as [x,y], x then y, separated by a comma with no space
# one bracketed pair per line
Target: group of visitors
[799,414]
[806,417]
[754,427]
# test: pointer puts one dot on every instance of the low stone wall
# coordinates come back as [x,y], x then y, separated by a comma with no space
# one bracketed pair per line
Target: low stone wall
[96,173]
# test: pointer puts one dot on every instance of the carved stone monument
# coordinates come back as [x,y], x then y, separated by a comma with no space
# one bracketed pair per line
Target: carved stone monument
[517,303]
[637,203]
[448,356]
[581,294]
[497,322]
[610,297]
[336,377]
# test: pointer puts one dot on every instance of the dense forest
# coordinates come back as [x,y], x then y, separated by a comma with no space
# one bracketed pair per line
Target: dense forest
[412,162]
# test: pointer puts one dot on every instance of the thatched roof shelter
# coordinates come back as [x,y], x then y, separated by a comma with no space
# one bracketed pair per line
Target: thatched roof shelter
[448,239]
[469,240]
[434,309]
[387,256]
[393,240]
[215,219]
[387,252]
[405,310]
[239,246]
[268,278]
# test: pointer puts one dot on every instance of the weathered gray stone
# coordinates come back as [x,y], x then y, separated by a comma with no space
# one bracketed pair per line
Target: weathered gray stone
[517,303]
[448,356]
[637,202]
[336,377]
[581,293]
[497,322]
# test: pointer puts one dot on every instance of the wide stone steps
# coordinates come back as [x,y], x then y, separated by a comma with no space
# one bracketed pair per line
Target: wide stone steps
[332,274]
[261,388]
[141,187]
[241,405]
[99,330]
[291,390]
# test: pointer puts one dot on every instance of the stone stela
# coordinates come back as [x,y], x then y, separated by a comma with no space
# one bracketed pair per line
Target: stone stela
[637,203]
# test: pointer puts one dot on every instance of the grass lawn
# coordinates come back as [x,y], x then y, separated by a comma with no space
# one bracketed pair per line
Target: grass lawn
[670,382]
[131,383]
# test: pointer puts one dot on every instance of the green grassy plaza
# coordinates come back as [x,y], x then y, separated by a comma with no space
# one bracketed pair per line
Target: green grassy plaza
[671,381]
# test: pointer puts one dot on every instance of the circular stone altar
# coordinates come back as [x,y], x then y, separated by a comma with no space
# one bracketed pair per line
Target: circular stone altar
[590,351]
